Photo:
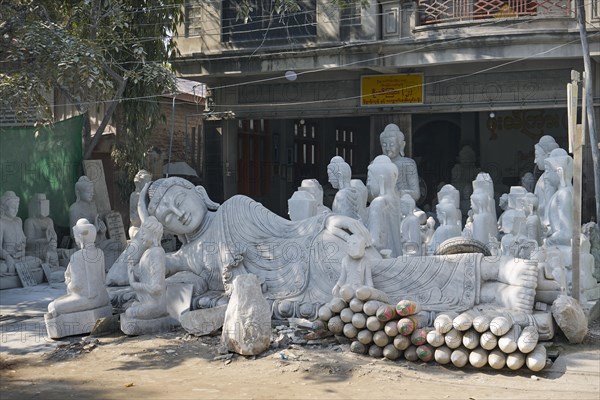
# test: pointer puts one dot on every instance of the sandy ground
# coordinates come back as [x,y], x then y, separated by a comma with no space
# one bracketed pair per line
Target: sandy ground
[175,365]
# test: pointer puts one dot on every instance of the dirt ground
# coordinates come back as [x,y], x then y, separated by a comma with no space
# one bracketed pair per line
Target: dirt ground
[176,365]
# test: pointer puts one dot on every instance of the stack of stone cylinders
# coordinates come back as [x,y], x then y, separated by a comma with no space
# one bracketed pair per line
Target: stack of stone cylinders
[376,327]
[480,339]
[403,330]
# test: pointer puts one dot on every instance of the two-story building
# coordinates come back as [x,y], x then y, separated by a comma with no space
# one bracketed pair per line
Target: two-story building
[290,92]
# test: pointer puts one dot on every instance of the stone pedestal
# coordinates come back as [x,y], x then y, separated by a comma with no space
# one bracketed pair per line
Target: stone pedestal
[134,327]
[76,323]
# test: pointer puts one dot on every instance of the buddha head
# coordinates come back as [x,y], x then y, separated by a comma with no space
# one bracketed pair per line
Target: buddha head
[339,173]
[407,204]
[141,178]
[542,150]
[9,204]
[84,189]
[559,168]
[392,141]
[84,232]
[178,205]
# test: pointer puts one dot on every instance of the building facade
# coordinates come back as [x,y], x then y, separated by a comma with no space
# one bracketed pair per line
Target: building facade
[289,93]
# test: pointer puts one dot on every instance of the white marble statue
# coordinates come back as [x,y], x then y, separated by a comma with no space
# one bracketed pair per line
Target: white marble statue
[542,150]
[528,181]
[392,144]
[355,270]
[449,219]
[301,205]
[359,185]
[39,230]
[140,179]
[299,261]
[384,211]
[484,225]
[533,223]
[86,299]
[559,208]
[147,277]
[451,194]
[13,244]
[410,228]
[85,207]
[462,175]
[348,200]
[313,187]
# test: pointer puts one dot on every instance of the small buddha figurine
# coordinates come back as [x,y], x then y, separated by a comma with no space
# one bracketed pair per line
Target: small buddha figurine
[348,200]
[451,194]
[533,223]
[39,230]
[559,173]
[484,226]
[140,179]
[356,271]
[84,276]
[384,212]
[392,144]
[410,228]
[13,244]
[147,277]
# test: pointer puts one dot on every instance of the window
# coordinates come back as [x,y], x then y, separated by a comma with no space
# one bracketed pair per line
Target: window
[265,24]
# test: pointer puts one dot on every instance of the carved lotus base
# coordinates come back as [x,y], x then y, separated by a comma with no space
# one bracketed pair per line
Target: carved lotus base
[76,323]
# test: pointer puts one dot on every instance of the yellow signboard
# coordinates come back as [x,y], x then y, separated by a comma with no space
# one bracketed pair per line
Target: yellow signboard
[378,90]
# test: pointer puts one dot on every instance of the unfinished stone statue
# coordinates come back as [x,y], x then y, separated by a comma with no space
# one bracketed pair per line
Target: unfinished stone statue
[559,211]
[384,211]
[348,200]
[462,175]
[313,187]
[13,245]
[484,226]
[592,232]
[148,314]
[448,217]
[410,228]
[301,205]
[392,144]
[356,271]
[299,261]
[542,150]
[140,179]
[363,192]
[39,230]
[247,325]
[87,299]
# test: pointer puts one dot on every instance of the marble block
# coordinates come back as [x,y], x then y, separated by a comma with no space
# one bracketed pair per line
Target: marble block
[134,327]
[203,321]
[76,323]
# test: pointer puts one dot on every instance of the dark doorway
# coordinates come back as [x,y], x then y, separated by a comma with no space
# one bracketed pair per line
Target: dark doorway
[435,148]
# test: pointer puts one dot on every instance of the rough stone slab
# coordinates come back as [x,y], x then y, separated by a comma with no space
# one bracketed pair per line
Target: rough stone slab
[135,327]
[204,321]
[114,225]
[179,298]
[77,323]
[106,326]
[570,317]
[25,275]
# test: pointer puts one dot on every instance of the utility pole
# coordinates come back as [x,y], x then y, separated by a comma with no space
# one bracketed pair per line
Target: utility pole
[589,101]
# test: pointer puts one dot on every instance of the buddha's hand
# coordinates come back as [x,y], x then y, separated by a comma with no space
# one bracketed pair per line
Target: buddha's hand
[343,226]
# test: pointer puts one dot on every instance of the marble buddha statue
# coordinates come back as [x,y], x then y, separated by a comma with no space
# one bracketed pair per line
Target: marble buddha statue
[13,244]
[140,179]
[558,172]
[392,144]
[348,200]
[39,230]
[542,150]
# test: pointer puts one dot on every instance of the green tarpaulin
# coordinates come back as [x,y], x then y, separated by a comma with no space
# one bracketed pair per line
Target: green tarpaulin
[42,160]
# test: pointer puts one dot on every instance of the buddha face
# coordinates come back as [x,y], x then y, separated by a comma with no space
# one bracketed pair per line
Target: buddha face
[333,176]
[551,177]
[141,178]
[86,192]
[12,208]
[372,184]
[390,145]
[540,156]
[181,210]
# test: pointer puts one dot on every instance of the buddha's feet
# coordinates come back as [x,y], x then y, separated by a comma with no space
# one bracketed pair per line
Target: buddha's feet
[517,272]
[512,297]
